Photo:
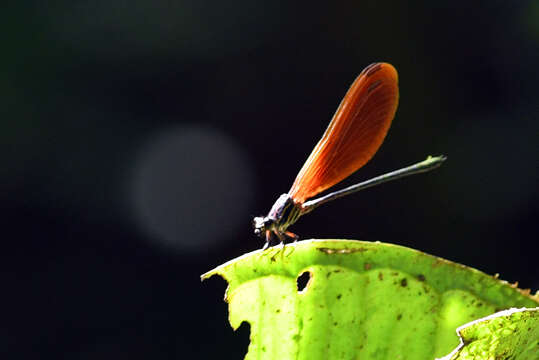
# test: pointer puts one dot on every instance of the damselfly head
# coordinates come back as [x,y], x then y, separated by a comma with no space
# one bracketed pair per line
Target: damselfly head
[261,224]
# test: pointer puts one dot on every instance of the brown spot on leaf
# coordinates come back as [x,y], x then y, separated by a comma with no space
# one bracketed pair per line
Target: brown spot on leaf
[404,282]
[329,251]
[437,262]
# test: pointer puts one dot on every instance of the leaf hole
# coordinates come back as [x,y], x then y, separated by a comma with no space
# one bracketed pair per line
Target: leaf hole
[303,280]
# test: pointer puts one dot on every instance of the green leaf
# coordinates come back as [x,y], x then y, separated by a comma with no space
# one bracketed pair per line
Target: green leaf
[363,301]
[509,334]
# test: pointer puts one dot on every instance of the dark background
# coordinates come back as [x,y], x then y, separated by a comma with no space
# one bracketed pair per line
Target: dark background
[140,137]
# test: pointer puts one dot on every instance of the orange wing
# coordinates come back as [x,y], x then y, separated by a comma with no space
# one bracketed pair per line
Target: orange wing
[355,133]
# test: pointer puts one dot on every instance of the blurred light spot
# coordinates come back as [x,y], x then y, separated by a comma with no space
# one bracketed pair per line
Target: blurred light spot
[191,188]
